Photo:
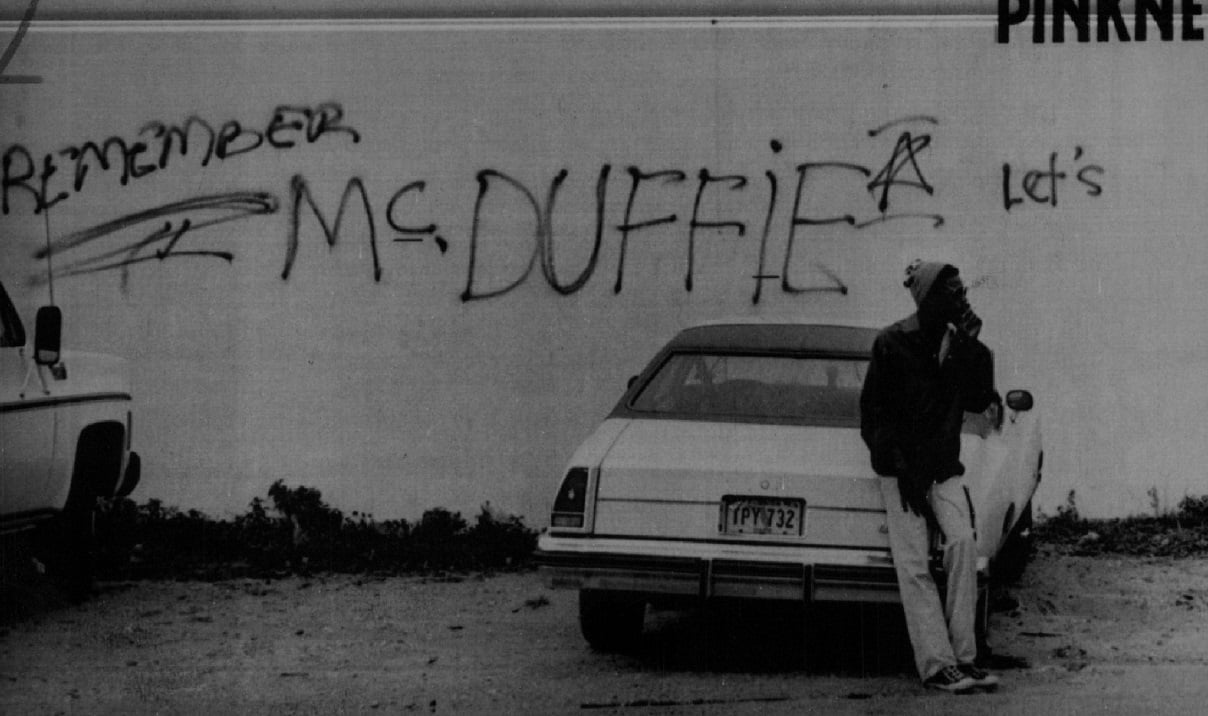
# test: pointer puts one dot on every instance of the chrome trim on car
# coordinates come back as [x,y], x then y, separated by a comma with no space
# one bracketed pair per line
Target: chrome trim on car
[655,501]
[719,578]
[35,403]
[731,540]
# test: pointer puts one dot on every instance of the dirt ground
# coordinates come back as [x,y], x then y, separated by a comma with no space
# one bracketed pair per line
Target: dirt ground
[1089,635]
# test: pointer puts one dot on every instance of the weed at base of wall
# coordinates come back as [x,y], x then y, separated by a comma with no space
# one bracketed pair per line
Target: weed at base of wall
[295,532]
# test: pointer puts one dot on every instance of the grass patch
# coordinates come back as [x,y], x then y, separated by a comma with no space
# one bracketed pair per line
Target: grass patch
[295,532]
[1182,532]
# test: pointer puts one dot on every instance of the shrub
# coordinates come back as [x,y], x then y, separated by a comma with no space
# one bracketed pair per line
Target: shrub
[1194,509]
[1165,534]
[1065,526]
[500,540]
[298,533]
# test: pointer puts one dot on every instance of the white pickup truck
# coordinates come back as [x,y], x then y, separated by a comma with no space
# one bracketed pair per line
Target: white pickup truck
[65,420]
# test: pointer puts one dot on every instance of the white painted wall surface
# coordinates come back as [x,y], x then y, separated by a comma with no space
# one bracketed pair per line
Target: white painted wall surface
[395,395]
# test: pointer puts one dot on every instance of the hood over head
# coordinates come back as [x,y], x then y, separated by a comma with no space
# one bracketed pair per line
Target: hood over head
[922,275]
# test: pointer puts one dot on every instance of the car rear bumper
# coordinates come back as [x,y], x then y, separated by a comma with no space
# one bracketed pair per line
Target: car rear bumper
[695,570]
[719,578]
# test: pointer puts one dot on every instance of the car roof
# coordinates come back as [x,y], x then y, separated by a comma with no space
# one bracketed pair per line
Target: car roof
[779,335]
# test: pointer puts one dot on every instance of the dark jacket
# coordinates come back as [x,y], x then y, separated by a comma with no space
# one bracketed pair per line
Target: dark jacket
[912,407]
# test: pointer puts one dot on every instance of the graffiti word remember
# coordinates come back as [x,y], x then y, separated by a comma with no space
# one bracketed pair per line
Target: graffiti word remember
[157,145]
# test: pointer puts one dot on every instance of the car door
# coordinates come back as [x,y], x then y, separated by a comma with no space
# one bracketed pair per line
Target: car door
[27,426]
[1001,455]
[985,453]
[1021,432]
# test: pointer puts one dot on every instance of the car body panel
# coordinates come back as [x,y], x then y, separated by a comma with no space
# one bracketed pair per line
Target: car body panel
[28,450]
[1021,438]
[667,478]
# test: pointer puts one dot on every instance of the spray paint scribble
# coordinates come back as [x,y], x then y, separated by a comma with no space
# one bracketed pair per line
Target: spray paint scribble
[179,218]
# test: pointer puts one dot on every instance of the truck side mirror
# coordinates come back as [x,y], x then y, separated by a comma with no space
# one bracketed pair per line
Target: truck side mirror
[1019,400]
[48,333]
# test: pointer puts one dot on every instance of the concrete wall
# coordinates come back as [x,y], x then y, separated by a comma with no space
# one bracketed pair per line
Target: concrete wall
[426,358]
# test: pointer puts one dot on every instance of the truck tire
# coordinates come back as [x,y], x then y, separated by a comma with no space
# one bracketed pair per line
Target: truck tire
[611,621]
[72,565]
[69,544]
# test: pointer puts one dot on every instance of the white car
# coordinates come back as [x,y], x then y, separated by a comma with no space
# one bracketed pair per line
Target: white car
[733,467]
[65,420]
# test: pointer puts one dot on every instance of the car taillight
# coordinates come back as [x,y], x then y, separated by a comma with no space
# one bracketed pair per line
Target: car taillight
[570,506]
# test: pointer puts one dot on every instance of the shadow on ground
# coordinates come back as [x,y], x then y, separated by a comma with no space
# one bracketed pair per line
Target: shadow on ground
[824,638]
[25,593]
[821,639]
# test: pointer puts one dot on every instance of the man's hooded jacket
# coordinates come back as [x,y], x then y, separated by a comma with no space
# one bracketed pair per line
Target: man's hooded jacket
[913,401]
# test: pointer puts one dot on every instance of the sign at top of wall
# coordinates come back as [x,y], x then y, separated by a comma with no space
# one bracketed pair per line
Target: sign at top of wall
[1108,20]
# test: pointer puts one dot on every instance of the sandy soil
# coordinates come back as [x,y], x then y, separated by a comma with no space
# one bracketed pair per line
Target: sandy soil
[1089,635]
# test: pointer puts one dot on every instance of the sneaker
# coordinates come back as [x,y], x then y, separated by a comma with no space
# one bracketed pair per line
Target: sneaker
[950,679]
[982,679]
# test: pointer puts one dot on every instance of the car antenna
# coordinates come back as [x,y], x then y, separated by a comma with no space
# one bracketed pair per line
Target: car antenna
[50,282]
[50,267]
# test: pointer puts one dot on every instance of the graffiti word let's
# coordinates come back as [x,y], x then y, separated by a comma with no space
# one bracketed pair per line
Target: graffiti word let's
[1042,185]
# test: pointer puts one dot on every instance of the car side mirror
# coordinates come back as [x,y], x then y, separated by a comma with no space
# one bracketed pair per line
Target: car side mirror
[1019,400]
[629,384]
[48,334]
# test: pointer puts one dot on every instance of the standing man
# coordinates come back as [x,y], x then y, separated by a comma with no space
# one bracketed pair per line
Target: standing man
[926,371]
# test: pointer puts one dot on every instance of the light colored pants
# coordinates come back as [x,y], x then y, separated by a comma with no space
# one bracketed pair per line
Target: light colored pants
[941,636]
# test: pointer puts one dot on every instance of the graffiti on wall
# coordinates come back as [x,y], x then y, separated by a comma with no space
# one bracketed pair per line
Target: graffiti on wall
[673,201]
[156,147]
[11,49]
[1042,186]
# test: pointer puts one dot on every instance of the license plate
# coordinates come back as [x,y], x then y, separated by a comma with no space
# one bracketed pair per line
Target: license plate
[762,516]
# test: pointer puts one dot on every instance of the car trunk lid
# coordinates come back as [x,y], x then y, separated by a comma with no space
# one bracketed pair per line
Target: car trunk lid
[669,479]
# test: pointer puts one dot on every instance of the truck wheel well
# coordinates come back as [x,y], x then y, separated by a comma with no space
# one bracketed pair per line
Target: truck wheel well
[98,460]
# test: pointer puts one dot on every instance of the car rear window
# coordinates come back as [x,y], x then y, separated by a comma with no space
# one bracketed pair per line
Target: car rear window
[756,388]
